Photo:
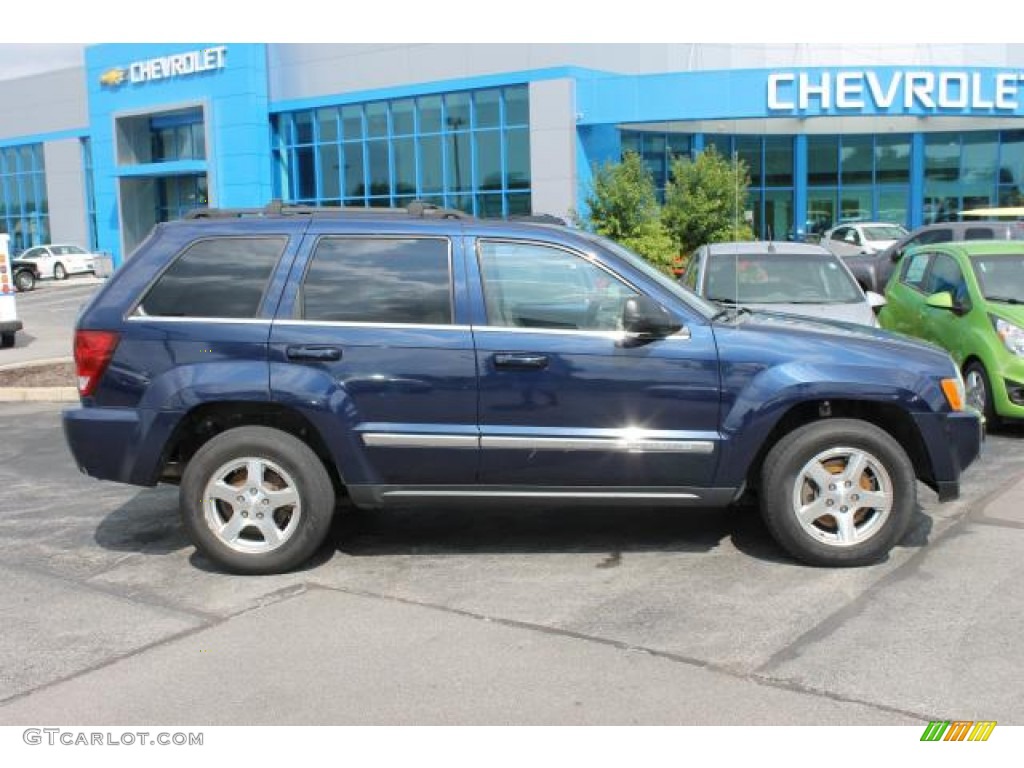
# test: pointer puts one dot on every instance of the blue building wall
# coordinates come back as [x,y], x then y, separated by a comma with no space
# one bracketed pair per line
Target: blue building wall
[236,105]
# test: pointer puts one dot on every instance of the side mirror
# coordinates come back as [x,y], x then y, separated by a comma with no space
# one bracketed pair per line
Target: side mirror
[646,319]
[942,300]
[876,301]
[896,255]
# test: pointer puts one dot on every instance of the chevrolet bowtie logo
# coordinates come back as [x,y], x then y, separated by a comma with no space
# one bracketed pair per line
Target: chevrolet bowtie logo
[114,77]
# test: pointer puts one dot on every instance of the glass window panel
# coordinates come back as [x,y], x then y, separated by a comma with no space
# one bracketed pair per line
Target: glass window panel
[519,204]
[405,166]
[488,160]
[431,164]
[517,106]
[517,153]
[25,159]
[460,163]
[305,173]
[352,122]
[303,122]
[778,214]
[429,113]
[377,119]
[487,111]
[630,142]
[533,286]
[330,170]
[980,150]
[183,137]
[327,124]
[680,144]
[380,177]
[822,160]
[821,212]
[892,159]
[199,141]
[460,202]
[778,161]
[488,206]
[217,277]
[457,111]
[748,149]
[894,205]
[403,113]
[856,159]
[855,204]
[722,144]
[942,157]
[355,183]
[397,280]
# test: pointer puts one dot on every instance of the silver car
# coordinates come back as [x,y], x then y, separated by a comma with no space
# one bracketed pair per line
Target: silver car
[794,278]
[862,237]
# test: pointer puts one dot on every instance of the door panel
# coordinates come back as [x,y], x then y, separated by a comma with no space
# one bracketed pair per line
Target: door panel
[572,404]
[373,355]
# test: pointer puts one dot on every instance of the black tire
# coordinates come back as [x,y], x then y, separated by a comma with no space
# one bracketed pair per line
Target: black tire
[6,339]
[24,280]
[59,273]
[979,392]
[866,534]
[281,460]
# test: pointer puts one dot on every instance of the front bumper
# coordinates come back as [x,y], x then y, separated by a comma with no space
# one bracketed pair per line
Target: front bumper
[952,442]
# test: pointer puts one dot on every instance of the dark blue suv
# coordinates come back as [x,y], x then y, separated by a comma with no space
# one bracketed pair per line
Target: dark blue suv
[274,361]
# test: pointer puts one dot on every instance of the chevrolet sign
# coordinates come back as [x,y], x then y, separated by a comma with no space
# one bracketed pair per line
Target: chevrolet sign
[866,91]
[167,67]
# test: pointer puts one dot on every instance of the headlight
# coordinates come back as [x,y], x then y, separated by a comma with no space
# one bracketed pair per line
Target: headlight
[1011,335]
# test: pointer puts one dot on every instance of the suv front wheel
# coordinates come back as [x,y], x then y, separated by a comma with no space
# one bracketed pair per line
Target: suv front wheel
[256,500]
[838,492]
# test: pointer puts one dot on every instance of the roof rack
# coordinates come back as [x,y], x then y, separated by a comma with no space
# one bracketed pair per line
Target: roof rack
[416,208]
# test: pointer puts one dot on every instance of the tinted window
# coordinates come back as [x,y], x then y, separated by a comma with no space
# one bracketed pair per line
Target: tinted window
[534,286]
[379,280]
[217,277]
[979,233]
[933,236]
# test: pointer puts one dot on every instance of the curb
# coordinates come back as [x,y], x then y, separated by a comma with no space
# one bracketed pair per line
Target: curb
[37,394]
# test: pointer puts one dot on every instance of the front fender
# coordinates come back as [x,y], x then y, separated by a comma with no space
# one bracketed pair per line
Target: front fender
[757,407]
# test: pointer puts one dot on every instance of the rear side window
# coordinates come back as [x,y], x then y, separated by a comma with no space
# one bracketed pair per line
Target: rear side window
[979,233]
[379,280]
[215,277]
[914,270]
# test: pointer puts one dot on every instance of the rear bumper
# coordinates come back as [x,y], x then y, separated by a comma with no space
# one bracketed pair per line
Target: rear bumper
[9,326]
[120,444]
[952,441]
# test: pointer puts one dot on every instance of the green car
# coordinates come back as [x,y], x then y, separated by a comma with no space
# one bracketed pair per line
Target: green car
[967,297]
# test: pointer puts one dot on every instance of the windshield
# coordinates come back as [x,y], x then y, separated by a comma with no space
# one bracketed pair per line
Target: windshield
[1000,276]
[884,233]
[666,282]
[780,278]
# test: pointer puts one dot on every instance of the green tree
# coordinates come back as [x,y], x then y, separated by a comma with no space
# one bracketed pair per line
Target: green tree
[705,200]
[622,205]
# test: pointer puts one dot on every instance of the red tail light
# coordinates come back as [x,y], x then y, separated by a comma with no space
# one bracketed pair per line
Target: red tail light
[93,350]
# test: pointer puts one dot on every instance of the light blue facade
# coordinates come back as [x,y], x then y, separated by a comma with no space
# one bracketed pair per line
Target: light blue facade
[235,105]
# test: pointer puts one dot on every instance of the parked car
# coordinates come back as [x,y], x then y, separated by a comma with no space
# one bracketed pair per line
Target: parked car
[874,270]
[271,364]
[862,237]
[796,278]
[25,274]
[968,297]
[59,261]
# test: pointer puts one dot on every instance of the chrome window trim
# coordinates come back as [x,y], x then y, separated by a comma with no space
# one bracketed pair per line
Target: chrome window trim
[681,335]
[196,319]
[358,324]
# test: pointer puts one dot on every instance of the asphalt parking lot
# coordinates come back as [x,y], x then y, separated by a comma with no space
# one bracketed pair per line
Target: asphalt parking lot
[497,617]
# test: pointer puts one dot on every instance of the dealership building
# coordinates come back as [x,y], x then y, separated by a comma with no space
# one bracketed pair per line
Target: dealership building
[139,134]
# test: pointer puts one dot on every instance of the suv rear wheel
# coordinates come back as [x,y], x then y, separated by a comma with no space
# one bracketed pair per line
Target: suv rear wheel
[838,492]
[256,500]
